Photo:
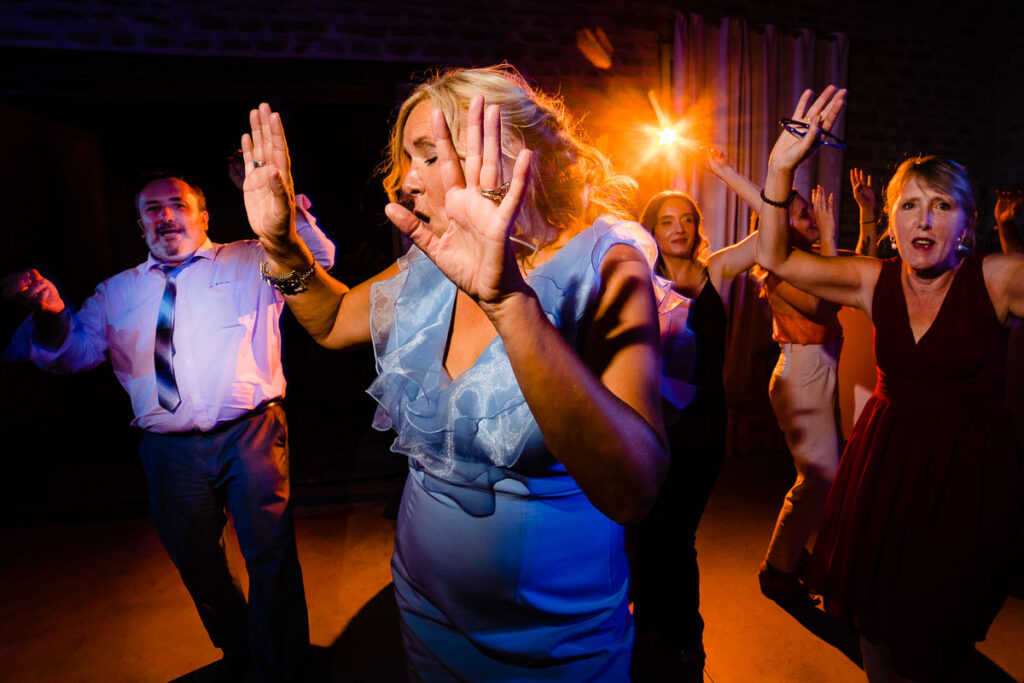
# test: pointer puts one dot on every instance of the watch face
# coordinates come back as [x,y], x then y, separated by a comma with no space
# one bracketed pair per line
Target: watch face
[293,284]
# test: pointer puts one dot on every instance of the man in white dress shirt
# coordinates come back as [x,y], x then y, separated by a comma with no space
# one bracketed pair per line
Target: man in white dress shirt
[192,335]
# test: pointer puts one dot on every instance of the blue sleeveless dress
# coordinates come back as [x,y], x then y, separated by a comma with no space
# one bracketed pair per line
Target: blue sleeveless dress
[503,570]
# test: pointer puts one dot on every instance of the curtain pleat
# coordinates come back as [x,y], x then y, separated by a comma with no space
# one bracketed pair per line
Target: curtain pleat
[743,79]
[748,77]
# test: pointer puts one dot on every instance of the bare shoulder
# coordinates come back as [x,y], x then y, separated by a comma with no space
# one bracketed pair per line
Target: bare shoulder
[998,265]
[621,341]
[623,272]
[1003,271]
[619,255]
[1004,280]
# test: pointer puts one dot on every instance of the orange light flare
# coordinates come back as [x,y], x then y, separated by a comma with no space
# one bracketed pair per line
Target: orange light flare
[670,138]
[623,128]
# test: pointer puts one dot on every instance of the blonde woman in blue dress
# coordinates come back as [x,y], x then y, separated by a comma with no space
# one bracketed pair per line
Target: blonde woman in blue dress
[517,348]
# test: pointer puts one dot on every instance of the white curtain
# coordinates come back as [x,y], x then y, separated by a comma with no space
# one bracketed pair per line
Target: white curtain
[746,78]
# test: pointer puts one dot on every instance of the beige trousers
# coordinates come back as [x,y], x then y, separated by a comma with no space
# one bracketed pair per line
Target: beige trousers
[803,396]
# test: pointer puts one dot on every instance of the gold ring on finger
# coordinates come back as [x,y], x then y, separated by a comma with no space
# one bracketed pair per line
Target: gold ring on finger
[496,194]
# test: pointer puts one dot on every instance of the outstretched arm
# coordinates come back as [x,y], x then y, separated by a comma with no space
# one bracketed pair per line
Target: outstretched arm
[727,263]
[599,412]
[52,337]
[31,290]
[719,165]
[849,280]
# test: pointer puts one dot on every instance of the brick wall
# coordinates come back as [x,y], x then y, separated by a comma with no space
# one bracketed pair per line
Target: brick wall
[531,33]
[1006,98]
[921,80]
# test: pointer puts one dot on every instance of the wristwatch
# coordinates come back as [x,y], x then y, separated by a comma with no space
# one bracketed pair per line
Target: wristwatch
[291,282]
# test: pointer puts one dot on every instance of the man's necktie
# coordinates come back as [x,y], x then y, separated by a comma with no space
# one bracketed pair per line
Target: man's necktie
[163,347]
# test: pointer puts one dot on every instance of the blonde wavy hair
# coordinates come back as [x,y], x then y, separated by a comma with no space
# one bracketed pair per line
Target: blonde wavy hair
[572,182]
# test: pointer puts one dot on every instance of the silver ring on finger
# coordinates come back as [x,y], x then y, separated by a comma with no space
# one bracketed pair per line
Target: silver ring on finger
[257,164]
[495,194]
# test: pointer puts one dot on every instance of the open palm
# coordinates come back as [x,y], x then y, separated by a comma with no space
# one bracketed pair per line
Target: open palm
[473,250]
[863,190]
[821,115]
[267,189]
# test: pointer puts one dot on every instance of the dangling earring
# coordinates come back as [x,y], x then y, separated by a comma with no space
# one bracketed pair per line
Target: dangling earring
[892,240]
[963,245]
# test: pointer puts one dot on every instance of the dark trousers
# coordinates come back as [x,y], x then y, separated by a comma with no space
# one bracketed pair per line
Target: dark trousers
[666,581]
[240,469]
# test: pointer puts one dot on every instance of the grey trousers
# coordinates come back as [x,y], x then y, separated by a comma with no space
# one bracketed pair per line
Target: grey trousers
[241,469]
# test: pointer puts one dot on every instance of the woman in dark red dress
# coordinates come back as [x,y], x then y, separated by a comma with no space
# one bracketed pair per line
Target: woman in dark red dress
[915,550]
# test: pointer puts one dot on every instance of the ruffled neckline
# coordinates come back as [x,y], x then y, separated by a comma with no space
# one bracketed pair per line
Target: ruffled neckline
[459,429]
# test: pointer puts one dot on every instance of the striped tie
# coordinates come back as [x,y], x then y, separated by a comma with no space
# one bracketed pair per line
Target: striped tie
[163,346]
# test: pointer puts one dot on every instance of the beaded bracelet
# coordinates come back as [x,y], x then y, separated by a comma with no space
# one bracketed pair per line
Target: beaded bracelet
[782,204]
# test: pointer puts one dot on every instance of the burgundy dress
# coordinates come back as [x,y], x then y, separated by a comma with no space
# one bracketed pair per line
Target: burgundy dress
[915,549]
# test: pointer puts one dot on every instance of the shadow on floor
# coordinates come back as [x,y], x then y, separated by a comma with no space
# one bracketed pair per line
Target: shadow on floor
[987,671]
[369,649]
[833,631]
[828,628]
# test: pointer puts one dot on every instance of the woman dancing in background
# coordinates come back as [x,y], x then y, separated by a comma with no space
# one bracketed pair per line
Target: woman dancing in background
[803,389]
[518,356]
[915,549]
[666,592]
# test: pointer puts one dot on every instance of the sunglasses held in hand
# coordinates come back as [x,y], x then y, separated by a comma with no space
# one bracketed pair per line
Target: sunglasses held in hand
[799,129]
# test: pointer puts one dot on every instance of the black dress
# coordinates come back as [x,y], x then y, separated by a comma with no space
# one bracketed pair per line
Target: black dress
[666,596]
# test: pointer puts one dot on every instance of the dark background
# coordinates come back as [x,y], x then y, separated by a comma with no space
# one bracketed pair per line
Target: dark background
[94,93]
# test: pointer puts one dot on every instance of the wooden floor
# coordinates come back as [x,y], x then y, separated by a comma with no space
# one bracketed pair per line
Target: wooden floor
[100,601]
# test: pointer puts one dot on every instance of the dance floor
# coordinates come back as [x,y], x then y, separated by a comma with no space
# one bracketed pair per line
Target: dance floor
[98,600]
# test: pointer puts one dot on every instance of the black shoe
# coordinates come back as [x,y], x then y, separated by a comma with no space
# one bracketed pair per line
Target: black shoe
[655,660]
[784,588]
[803,563]
[693,660]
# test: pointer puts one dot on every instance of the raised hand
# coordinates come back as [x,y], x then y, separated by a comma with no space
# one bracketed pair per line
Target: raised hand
[821,115]
[33,291]
[718,163]
[268,189]
[472,248]
[863,192]
[1008,206]
[823,206]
